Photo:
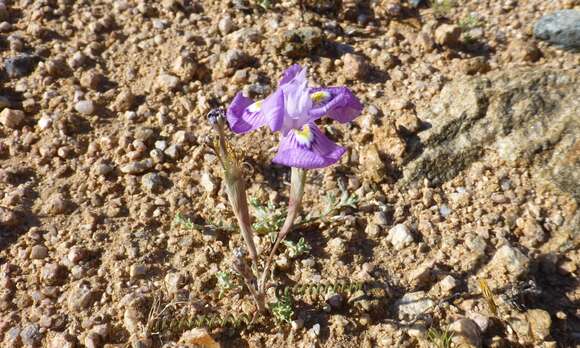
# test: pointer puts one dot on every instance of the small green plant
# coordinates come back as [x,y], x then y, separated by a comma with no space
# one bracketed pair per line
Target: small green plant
[298,248]
[441,8]
[224,282]
[440,338]
[282,309]
[469,22]
[333,205]
[185,222]
[266,4]
[269,219]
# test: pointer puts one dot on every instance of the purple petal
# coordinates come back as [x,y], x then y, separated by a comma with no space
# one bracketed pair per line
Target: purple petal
[273,110]
[308,148]
[244,115]
[289,74]
[337,103]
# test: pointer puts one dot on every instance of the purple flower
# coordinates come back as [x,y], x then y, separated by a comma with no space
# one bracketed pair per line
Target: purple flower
[292,110]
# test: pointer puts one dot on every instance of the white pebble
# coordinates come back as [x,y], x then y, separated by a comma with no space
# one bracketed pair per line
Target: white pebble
[44,122]
[85,107]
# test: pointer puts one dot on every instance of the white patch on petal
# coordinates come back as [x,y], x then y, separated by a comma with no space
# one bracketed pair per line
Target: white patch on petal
[305,136]
[257,106]
[320,96]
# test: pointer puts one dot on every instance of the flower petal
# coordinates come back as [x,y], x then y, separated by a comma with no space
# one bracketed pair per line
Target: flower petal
[289,74]
[244,115]
[337,103]
[308,148]
[273,110]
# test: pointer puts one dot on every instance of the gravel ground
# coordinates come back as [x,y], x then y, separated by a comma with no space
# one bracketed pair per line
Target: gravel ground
[102,145]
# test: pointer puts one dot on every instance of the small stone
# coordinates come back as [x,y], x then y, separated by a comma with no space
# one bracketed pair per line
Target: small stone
[167,82]
[526,51]
[124,101]
[466,333]
[198,338]
[81,297]
[540,323]
[76,254]
[93,340]
[45,122]
[11,118]
[355,67]
[30,335]
[413,304]
[297,324]
[152,182]
[400,236]
[421,276]
[62,340]
[131,320]
[38,252]
[299,43]
[53,274]
[208,183]
[226,25]
[5,27]
[476,65]
[138,271]
[314,331]
[174,282]
[57,204]
[57,68]
[447,35]
[103,169]
[172,151]
[20,66]
[137,167]
[235,59]
[511,260]
[408,123]
[448,284]
[183,137]
[85,107]
[8,218]
[561,28]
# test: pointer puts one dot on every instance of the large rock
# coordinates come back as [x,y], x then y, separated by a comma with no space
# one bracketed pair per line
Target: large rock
[528,114]
[561,28]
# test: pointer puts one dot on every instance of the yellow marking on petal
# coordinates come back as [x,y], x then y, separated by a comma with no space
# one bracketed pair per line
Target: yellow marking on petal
[257,106]
[304,136]
[320,96]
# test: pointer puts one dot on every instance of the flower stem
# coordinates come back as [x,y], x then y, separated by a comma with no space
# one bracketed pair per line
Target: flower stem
[297,181]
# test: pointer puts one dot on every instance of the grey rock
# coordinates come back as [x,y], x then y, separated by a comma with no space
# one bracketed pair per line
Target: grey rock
[299,43]
[81,297]
[509,260]
[467,333]
[167,82]
[561,28]
[235,59]
[30,335]
[413,304]
[137,167]
[21,65]
[53,274]
[152,182]
[519,113]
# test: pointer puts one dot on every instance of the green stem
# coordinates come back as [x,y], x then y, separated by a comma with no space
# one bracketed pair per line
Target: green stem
[297,181]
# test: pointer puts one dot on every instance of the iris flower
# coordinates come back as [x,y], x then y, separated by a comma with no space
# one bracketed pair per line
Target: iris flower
[292,110]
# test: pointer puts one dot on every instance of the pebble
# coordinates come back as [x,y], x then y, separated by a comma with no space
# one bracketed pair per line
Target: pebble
[226,25]
[138,271]
[400,236]
[93,340]
[336,246]
[540,323]
[447,35]
[172,151]
[448,284]
[76,254]
[208,183]
[511,260]
[85,107]
[467,333]
[62,340]
[561,28]
[44,123]
[235,59]
[355,67]
[151,182]
[11,118]
[167,82]
[80,297]
[314,331]
[38,252]
[30,335]
[174,282]
[413,304]
[53,274]
[137,167]
[20,66]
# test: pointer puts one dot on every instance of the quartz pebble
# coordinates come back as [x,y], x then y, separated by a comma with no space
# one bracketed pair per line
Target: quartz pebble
[11,118]
[400,236]
[85,107]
